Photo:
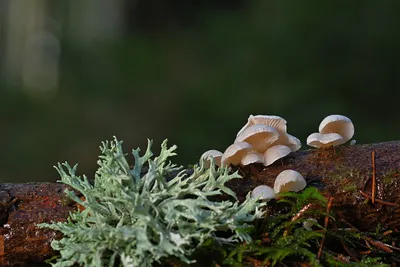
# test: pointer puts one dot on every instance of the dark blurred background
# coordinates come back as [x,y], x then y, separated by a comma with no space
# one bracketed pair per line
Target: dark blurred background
[75,73]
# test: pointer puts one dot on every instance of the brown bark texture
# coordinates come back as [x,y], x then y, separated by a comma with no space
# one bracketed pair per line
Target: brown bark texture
[345,173]
[22,206]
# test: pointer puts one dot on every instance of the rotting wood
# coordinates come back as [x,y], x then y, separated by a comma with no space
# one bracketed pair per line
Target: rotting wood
[22,206]
[341,173]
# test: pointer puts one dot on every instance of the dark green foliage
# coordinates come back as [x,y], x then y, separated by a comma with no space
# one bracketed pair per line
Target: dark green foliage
[282,243]
[281,238]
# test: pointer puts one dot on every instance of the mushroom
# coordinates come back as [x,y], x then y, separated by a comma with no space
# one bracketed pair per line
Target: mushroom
[334,130]
[259,136]
[209,155]
[288,140]
[319,140]
[279,124]
[274,153]
[252,157]
[270,120]
[263,192]
[337,124]
[289,180]
[235,152]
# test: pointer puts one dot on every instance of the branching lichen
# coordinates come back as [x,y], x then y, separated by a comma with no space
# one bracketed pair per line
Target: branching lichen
[135,219]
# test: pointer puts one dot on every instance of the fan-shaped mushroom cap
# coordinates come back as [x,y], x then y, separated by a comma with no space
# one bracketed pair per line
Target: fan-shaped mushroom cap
[337,124]
[252,157]
[279,124]
[263,192]
[235,152]
[289,180]
[269,120]
[274,153]
[211,154]
[259,136]
[288,140]
[319,140]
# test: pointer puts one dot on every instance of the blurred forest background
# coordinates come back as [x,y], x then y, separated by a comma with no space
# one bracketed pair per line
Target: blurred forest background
[75,73]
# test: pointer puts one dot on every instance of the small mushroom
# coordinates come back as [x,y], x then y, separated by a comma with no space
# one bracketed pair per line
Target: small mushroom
[330,129]
[274,153]
[289,180]
[263,192]
[211,154]
[319,140]
[235,152]
[337,124]
[252,157]
[259,136]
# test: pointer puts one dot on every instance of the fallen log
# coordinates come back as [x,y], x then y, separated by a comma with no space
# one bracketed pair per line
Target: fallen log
[346,173]
[352,175]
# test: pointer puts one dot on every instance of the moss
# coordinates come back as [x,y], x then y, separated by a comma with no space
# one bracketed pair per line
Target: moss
[350,188]
[390,176]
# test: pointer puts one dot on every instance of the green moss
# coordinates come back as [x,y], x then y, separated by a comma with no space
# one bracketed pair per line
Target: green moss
[350,188]
[283,241]
[389,177]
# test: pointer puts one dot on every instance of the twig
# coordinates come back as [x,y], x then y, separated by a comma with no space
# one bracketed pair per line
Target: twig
[379,244]
[297,216]
[257,263]
[388,232]
[350,252]
[326,222]
[373,178]
[379,200]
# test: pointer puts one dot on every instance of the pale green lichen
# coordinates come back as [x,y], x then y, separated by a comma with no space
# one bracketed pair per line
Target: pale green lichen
[135,219]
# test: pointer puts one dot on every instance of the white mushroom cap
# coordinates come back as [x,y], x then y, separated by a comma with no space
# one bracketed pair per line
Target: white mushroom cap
[263,192]
[319,140]
[289,180]
[288,140]
[259,136]
[337,124]
[211,154]
[274,153]
[279,124]
[235,152]
[252,157]
[269,120]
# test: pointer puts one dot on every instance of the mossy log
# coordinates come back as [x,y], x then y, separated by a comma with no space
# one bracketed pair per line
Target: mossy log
[345,173]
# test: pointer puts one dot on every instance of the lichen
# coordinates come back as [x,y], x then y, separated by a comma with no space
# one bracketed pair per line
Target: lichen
[130,218]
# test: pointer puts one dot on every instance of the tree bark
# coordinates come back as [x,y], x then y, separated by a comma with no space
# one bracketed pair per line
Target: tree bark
[340,172]
[22,206]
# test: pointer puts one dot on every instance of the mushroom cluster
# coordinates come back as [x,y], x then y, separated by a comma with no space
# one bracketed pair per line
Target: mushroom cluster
[334,130]
[264,139]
